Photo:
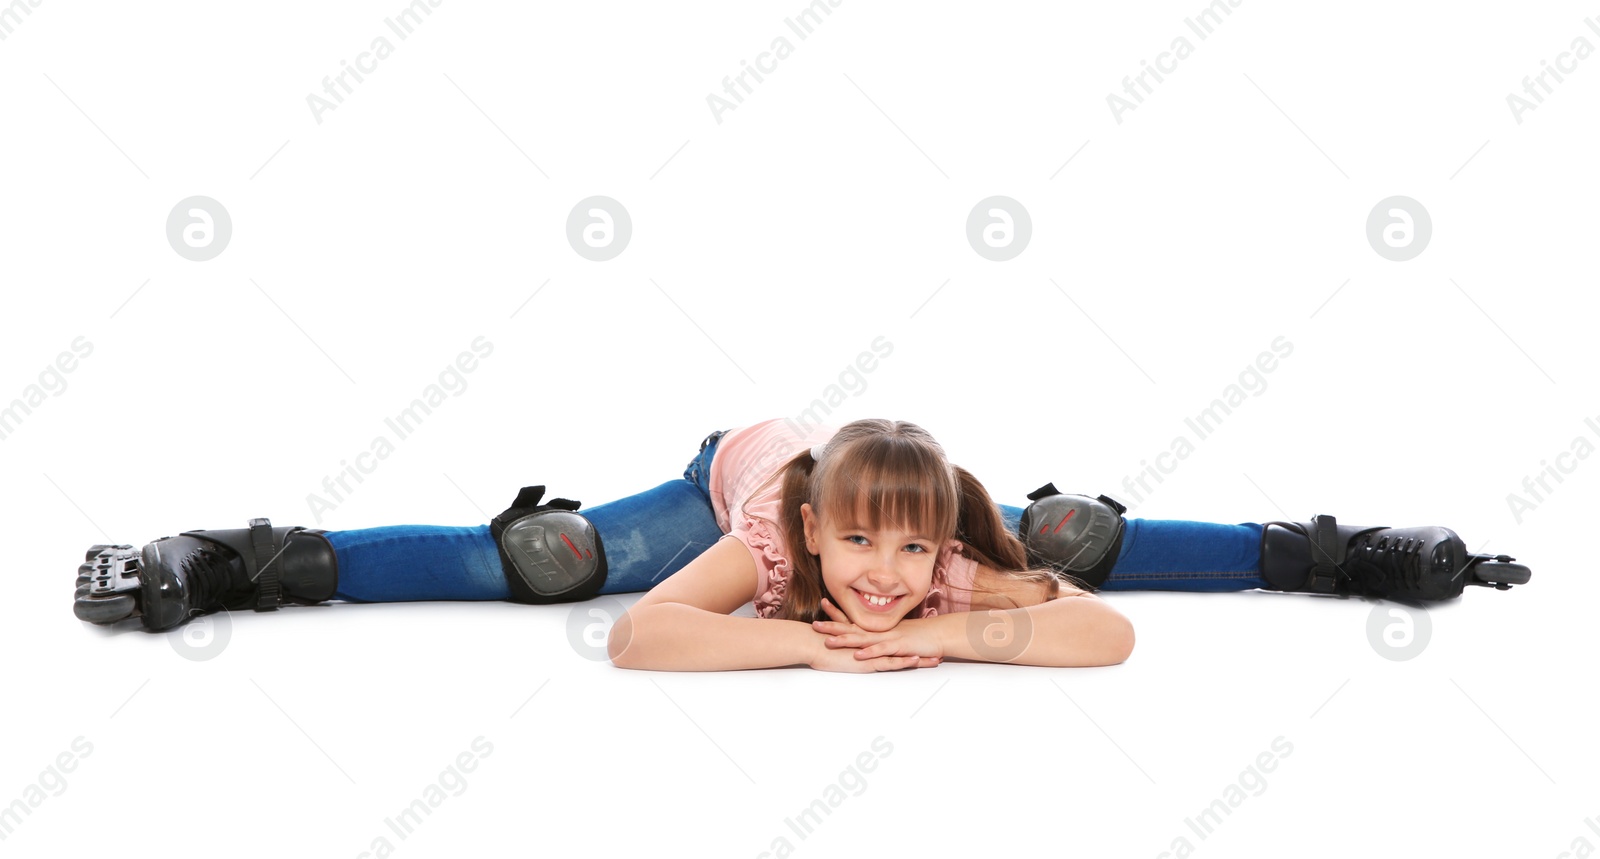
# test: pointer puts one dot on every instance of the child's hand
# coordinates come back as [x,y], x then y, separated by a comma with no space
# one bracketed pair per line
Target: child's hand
[839,625]
[828,659]
[909,637]
[841,657]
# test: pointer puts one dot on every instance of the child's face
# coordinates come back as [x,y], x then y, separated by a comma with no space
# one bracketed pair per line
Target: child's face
[859,561]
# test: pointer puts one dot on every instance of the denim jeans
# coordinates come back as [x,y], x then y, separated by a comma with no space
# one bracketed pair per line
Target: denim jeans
[653,534]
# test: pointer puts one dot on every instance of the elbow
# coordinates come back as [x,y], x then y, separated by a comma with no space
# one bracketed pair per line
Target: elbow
[1105,637]
[1128,637]
[619,639]
[1120,640]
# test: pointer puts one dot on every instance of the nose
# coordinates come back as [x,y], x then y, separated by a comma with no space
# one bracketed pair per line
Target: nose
[883,575]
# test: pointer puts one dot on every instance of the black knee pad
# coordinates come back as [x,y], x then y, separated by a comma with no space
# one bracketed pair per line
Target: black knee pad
[1073,534]
[549,552]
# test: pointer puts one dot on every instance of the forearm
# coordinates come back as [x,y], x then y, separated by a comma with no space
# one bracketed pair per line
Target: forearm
[1067,632]
[678,637]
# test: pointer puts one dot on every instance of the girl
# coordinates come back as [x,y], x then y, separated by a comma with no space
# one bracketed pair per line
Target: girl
[861,547]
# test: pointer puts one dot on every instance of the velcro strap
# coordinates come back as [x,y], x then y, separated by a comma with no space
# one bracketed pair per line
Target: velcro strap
[269,595]
[1044,491]
[1113,504]
[528,502]
[1326,553]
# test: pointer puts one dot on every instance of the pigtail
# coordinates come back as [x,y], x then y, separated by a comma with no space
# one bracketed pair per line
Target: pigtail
[983,530]
[992,544]
[803,599]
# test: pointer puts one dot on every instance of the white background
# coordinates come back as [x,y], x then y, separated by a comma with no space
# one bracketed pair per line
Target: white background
[768,250]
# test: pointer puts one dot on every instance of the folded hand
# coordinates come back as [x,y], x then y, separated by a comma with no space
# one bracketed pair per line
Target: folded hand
[910,637]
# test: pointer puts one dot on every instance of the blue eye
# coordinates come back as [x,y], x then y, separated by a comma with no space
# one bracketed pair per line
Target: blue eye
[921,550]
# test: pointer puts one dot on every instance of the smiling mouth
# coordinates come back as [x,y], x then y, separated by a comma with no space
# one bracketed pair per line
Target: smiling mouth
[868,603]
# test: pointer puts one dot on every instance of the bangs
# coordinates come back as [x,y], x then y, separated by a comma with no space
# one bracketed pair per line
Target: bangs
[882,483]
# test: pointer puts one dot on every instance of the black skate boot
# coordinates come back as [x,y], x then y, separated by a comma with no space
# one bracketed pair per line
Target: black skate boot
[1425,563]
[198,572]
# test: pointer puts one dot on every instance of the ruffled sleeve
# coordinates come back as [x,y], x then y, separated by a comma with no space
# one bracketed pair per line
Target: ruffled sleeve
[772,564]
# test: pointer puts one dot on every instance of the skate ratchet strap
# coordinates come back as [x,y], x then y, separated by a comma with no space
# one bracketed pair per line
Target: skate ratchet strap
[269,597]
[1326,554]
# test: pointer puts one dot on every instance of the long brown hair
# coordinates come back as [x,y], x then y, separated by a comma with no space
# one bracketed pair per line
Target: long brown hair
[899,472]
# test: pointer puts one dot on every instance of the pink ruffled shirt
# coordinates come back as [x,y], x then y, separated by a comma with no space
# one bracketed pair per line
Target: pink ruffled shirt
[747,456]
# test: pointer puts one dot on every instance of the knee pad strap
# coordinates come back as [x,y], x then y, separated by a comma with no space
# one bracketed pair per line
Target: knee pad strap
[549,552]
[1073,534]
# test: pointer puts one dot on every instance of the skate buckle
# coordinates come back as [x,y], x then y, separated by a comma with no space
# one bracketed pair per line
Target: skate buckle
[114,569]
[1329,553]
[268,597]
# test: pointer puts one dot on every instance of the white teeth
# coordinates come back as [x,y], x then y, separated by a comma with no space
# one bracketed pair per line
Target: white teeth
[876,600]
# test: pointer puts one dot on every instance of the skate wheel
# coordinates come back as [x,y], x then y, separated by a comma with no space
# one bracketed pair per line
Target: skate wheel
[1502,573]
[107,588]
[103,609]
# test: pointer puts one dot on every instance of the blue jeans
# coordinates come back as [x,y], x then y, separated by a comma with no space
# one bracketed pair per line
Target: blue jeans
[653,534]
